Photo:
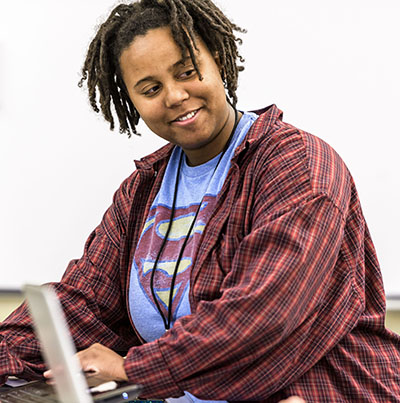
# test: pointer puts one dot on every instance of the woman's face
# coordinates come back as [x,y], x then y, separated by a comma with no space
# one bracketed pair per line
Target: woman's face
[171,99]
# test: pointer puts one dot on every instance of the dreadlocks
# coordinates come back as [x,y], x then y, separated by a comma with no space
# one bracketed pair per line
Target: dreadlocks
[186,18]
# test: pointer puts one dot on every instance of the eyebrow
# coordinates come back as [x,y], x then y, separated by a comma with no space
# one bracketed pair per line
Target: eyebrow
[149,78]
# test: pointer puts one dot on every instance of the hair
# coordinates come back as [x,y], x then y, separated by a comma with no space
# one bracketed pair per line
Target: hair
[186,18]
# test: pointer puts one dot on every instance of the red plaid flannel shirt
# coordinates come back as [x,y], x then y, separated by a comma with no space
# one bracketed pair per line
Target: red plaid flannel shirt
[286,291]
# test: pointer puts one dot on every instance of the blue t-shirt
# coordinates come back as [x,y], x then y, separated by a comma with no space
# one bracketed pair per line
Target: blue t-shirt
[198,184]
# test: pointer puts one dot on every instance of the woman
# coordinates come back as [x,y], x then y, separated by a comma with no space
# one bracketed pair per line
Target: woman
[235,262]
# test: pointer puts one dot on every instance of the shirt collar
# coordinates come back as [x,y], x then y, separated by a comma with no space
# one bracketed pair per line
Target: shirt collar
[158,156]
[266,119]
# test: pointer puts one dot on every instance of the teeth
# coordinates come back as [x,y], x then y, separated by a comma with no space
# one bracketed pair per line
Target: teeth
[186,117]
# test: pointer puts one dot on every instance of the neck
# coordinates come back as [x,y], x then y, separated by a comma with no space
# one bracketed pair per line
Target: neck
[218,143]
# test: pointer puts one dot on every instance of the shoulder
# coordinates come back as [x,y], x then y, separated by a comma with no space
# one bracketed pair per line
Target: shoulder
[297,164]
[146,168]
[132,192]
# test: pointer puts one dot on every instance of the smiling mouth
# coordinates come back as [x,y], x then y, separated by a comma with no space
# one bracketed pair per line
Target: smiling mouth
[188,116]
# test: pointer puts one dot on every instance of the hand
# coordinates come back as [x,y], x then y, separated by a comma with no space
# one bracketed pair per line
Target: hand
[293,399]
[103,363]
[100,363]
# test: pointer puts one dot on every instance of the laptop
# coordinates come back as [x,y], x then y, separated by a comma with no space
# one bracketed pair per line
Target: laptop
[59,353]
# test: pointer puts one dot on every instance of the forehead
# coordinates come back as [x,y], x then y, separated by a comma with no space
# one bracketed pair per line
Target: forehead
[155,50]
[157,40]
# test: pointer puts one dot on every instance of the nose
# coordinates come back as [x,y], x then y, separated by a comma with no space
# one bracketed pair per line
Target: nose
[175,94]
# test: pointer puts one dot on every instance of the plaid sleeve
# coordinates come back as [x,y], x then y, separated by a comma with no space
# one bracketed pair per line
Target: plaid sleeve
[90,292]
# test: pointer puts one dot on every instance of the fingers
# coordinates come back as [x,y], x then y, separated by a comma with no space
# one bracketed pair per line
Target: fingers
[293,399]
[99,363]
[47,374]
[49,377]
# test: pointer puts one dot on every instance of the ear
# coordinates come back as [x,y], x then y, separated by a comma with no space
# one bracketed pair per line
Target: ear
[219,64]
[217,60]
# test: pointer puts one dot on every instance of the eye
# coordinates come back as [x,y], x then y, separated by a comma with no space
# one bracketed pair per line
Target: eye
[187,73]
[151,91]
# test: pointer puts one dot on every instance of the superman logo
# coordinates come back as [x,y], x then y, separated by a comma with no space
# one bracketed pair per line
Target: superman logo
[150,242]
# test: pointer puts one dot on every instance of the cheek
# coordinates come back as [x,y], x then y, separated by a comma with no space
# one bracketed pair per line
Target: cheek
[214,86]
[152,116]
[148,111]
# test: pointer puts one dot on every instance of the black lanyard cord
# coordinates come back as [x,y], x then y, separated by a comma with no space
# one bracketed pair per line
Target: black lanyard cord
[167,322]
[163,245]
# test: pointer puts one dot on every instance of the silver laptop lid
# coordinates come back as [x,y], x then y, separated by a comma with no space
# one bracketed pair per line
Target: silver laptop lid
[56,343]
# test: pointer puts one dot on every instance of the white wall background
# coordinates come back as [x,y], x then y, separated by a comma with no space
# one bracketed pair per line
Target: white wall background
[331,66]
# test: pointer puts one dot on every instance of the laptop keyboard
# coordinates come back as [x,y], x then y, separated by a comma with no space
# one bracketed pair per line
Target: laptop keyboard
[37,392]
